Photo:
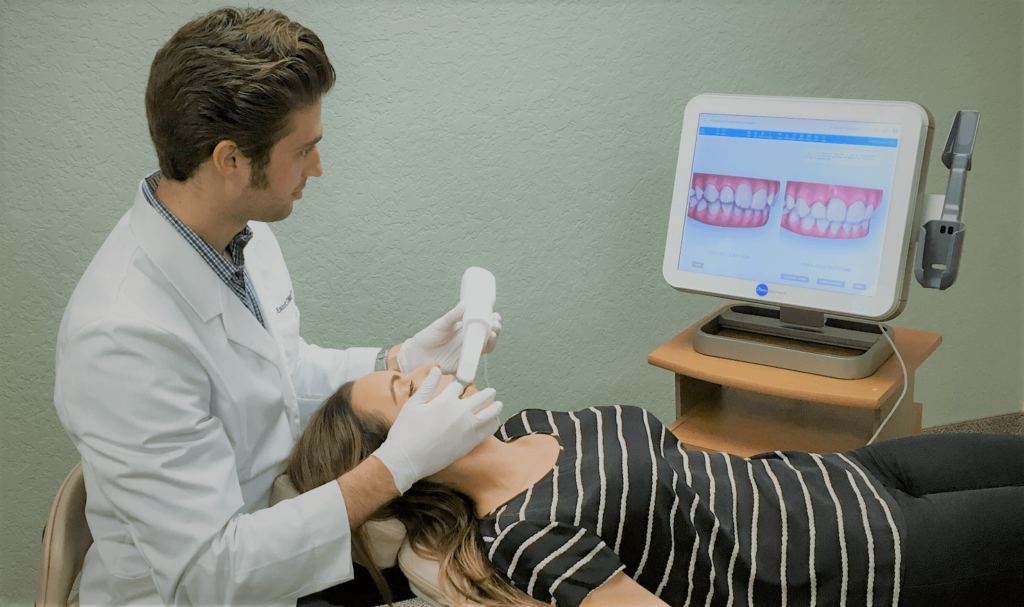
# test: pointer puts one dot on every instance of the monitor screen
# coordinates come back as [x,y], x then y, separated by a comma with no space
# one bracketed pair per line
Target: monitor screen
[799,202]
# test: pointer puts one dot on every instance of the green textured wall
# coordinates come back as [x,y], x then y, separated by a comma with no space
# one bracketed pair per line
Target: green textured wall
[536,139]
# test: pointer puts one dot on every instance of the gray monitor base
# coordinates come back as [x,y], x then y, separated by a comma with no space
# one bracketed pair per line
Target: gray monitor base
[789,338]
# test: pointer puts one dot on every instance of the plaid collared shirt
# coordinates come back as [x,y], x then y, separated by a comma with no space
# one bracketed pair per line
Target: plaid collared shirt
[234,275]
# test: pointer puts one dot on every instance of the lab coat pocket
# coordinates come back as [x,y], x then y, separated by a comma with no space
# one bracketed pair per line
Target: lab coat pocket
[133,578]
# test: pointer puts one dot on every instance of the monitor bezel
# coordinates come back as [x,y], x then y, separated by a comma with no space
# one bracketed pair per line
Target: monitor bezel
[890,294]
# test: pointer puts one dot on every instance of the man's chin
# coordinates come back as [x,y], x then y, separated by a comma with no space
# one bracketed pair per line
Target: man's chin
[277,214]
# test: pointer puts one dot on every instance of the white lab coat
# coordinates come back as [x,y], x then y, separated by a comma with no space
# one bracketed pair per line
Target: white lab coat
[183,409]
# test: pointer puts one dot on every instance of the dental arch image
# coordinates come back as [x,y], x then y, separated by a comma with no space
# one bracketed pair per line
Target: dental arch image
[729,201]
[829,211]
[818,210]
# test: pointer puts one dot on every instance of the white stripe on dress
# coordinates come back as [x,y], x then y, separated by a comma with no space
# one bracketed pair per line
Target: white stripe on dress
[686,463]
[526,423]
[526,502]
[813,530]
[693,555]
[625,478]
[527,544]
[554,493]
[753,535]
[892,527]
[735,530]
[497,540]
[497,517]
[714,529]
[843,556]
[575,568]
[654,494]
[541,565]
[579,471]
[783,571]
[672,534]
[600,470]
[870,538]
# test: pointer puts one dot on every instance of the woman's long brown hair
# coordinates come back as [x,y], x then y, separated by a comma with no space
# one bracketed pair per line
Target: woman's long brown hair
[441,522]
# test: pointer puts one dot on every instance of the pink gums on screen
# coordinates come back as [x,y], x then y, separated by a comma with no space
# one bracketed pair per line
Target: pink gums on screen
[823,210]
[731,202]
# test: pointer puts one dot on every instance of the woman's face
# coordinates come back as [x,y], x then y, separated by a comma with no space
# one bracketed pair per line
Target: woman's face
[386,392]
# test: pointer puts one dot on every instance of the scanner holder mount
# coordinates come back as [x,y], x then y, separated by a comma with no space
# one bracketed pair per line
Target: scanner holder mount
[940,241]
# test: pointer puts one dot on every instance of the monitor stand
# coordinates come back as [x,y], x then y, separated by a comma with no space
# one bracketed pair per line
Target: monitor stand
[791,338]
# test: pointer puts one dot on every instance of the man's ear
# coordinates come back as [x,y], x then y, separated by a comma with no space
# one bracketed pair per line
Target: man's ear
[230,164]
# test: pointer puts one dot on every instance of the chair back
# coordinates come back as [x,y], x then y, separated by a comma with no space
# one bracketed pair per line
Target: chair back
[65,542]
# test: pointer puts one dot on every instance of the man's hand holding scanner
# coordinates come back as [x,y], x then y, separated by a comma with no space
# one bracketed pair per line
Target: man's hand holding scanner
[441,341]
[431,431]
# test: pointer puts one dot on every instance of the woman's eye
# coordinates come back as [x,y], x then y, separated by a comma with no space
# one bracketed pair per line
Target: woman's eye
[412,388]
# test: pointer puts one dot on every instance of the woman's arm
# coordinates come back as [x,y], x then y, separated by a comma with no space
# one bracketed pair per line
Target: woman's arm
[622,590]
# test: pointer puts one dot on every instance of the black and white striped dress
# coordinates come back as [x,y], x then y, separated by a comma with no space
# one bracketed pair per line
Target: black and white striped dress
[693,528]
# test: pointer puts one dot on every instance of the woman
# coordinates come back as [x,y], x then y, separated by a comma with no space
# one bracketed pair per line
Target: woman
[605,507]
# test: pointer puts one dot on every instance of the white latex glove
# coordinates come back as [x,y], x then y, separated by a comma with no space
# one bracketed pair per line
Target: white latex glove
[442,342]
[428,436]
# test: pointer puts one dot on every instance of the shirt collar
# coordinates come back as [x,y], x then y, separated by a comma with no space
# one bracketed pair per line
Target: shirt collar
[234,248]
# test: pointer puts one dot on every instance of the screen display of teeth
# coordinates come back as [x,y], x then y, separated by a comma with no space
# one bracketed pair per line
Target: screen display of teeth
[791,173]
[810,209]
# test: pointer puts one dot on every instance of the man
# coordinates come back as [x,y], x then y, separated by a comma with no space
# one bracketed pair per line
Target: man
[181,376]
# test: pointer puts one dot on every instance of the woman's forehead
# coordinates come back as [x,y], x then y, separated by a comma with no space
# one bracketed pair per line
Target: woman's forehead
[370,391]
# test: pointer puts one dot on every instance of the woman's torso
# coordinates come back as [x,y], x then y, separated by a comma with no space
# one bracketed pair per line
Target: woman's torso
[693,528]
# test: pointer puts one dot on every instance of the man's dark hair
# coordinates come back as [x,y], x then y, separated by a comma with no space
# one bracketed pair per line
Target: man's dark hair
[233,74]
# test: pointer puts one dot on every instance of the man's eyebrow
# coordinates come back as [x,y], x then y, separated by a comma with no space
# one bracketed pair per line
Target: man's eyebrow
[394,393]
[312,143]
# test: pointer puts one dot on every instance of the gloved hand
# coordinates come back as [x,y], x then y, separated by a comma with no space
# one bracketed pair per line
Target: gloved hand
[427,436]
[442,341]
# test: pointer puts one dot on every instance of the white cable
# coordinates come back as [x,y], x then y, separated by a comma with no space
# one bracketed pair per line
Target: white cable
[486,381]
[905,381]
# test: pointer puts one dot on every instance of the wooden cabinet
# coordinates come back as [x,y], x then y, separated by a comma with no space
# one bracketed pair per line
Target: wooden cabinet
[745,408]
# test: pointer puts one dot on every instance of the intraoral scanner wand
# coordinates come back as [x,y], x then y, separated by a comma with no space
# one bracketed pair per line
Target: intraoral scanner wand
[478,293]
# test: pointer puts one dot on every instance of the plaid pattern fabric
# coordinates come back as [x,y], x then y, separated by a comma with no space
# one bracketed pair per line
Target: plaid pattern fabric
[234,275]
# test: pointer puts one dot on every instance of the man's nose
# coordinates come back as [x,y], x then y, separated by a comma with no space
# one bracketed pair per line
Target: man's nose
[316,169]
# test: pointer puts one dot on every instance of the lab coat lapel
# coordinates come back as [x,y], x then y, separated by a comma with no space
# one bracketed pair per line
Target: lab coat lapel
[243,328]
[197,283]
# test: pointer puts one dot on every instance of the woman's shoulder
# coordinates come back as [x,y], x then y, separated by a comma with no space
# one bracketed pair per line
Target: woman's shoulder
[532,421]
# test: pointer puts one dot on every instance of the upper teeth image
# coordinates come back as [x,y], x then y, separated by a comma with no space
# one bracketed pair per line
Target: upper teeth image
[711,193]
[744,196]
[802,208]
[836,210]
[726,195]
[759,200]
[821,210]
[730,201]
[856,212]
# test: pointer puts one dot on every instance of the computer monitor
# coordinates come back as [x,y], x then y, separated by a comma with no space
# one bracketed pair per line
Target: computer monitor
[798,203]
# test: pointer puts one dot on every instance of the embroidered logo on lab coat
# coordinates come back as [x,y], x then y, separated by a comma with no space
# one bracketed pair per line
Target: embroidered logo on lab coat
[287,300]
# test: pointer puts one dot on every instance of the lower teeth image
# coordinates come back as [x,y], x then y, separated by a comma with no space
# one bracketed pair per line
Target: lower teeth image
[821,210]
[729,201]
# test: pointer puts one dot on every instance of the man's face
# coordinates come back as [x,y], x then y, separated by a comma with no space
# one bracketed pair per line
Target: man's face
[294,159]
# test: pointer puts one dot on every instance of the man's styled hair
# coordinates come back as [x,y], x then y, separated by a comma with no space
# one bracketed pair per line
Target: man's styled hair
[233,74]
